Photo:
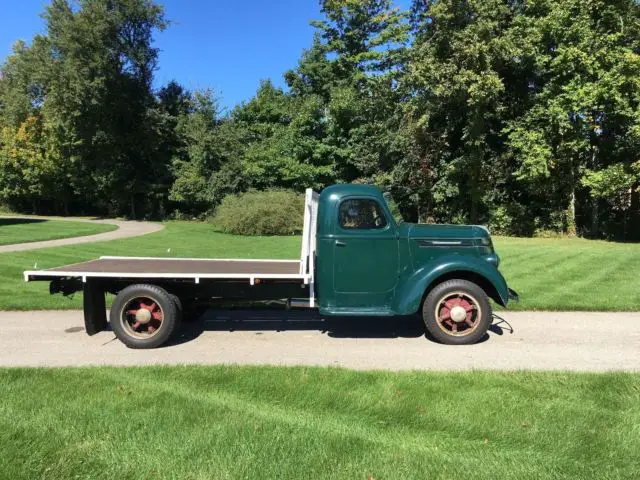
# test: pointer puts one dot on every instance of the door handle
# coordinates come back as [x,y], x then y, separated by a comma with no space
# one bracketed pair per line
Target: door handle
[340,244]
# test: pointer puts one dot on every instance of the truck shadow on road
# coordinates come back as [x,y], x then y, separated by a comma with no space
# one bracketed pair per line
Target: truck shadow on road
[260,321]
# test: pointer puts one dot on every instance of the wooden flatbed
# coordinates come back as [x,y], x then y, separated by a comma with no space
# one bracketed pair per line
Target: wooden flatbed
[112,268]
[178,268]
[162,284]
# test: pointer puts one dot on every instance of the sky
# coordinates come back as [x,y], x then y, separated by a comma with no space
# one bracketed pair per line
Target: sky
[226,45]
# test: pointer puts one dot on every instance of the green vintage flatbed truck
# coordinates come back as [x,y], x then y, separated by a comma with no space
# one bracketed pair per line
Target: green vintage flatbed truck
[356,259]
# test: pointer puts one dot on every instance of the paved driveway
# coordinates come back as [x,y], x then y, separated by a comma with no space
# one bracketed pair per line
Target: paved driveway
[540,341]
[125,229]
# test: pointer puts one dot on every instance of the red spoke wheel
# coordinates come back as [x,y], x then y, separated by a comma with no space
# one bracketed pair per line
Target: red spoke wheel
[457,312]
[143,316]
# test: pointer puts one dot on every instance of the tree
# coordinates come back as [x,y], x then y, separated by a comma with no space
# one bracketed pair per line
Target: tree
[199,154]
[583,117]
[32,177]
[27,175]
[521,115]
[99,99]
[462,76]
[284,140]
[353,67]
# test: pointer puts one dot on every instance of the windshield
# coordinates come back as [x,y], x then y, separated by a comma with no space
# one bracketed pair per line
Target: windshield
[393,207]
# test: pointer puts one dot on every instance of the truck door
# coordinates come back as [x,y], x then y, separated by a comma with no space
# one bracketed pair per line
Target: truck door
[365,268]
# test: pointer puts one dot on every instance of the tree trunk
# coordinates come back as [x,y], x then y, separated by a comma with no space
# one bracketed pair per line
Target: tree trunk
[475,190]
[594,205]
[474,207]
[634,211]
[571,213]
[595,220]
[133,208]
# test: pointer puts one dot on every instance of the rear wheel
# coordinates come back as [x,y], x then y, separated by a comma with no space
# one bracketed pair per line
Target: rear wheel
[179,309]
[143,316]
[457,312]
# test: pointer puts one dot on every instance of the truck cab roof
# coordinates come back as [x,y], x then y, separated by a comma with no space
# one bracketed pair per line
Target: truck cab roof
[338,191]
[332,196]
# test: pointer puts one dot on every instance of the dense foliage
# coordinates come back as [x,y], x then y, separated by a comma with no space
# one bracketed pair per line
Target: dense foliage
[270,212]
[521,115]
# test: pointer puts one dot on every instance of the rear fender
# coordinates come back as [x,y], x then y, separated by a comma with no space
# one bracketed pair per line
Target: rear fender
[410,293]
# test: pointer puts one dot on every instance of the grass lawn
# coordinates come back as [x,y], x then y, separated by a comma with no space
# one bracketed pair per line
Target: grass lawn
[280,423]
[549,274]
[22,230]
[571,273]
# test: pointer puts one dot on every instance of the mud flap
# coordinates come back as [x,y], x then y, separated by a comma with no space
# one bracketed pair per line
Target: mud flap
[95,315]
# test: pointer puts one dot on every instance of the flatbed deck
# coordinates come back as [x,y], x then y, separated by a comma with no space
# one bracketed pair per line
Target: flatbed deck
[214,277]
[196,268]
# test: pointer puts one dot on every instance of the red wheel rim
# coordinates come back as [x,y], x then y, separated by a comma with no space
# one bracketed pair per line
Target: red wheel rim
[458,314]
[142,317]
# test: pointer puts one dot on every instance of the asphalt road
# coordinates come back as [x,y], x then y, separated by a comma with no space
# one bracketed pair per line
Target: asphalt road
[125,229]
[540,341]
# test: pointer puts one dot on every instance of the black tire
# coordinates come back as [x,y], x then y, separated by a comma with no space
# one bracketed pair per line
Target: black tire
[126,334]
[464,334]
[179,310]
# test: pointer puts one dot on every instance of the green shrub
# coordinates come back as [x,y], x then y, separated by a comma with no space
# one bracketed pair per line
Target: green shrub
[547,233]
[272,212]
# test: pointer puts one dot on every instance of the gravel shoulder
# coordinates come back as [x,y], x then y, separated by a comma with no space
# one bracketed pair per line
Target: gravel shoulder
[125,229]
[571,341]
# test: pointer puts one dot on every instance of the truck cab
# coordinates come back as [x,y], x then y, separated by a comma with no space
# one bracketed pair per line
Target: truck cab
[371,262]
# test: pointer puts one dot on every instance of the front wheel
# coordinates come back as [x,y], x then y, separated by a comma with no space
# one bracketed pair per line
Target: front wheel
[143,316]
[457,312]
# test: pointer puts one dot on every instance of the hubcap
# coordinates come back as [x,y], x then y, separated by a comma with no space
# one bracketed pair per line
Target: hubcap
[458,313]
[143,316]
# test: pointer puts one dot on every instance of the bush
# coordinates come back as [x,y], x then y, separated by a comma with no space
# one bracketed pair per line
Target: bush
[547,233]
[272,212]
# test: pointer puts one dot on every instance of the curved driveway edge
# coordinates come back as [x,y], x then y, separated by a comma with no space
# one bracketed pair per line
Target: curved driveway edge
[125,229]
[560,341]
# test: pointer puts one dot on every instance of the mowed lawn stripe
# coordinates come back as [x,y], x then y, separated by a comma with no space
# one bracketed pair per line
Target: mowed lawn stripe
[564,264]
[571,289]
[601,287]
[513,252]
[269,422]
[559,281]
[571,274]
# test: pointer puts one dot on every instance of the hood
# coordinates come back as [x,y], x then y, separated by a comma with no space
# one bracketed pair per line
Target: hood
[429,242]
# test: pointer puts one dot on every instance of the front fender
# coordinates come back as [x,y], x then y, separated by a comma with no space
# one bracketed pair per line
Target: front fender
[409,293]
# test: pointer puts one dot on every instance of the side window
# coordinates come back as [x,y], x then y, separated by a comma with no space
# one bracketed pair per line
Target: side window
[361,214]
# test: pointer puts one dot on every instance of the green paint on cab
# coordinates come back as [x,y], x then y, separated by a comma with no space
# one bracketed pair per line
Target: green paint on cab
[367,264]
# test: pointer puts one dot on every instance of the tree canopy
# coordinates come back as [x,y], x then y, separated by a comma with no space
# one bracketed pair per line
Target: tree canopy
[524,116]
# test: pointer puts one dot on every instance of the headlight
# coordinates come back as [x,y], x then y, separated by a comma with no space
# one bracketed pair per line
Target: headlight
[493,259]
